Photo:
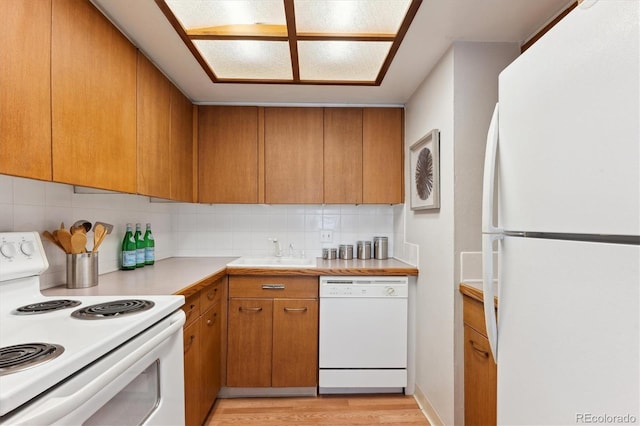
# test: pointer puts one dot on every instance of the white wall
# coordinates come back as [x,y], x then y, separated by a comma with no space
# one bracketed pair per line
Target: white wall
[457,98]
[182,229]
[431,107]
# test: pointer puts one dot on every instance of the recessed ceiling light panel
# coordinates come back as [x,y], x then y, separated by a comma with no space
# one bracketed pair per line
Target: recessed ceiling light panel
[247,59]
[214,13]
[341,60]
[350,16]
[349,42]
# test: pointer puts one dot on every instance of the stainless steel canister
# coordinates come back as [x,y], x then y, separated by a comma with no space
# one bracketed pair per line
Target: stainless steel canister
[82,270]
[329,253]
[364,250]
[346,251]
[380,247]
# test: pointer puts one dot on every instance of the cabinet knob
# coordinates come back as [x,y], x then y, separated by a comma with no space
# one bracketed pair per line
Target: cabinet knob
[188,345]
[212,294]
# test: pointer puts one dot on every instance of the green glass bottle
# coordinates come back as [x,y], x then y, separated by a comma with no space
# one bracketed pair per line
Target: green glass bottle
[128,250]
[139,246]
[150,247]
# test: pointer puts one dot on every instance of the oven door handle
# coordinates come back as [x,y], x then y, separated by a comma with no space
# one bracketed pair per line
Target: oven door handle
[56,408]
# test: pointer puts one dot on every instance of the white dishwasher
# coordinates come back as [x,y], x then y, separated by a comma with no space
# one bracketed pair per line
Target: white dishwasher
[363,334]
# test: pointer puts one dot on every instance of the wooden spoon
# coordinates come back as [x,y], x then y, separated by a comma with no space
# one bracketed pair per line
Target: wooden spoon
[49,236]
[99,233]
[78,242]
[64,237]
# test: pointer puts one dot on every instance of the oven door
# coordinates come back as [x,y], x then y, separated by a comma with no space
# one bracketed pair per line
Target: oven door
[140,382]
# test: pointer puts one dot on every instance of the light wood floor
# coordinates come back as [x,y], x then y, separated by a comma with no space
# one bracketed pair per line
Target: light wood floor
[322,410]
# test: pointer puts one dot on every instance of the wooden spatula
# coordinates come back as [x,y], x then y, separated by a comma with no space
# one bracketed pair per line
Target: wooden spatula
[49,236]
[78,242]
[99,233]
[64,237]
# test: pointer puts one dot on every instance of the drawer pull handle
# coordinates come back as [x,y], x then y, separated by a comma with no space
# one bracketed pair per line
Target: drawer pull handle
[273,286]
[480,351]
[304,309]
[188,345]
[212,294]
[244,308]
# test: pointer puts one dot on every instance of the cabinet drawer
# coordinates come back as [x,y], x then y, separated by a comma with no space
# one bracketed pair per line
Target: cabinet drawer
[191,308]
[211,294]
[474,315]
[273,287]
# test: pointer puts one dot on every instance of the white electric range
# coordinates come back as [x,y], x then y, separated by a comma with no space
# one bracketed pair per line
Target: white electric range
[88,359]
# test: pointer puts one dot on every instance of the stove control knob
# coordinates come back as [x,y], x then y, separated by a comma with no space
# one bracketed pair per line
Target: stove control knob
[390,291]
[8,250]
[27,248]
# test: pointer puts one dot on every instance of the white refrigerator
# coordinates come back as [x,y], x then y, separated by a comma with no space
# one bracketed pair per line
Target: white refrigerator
[563,160]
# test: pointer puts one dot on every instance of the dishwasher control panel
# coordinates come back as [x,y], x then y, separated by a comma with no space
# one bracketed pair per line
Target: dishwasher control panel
[340,286]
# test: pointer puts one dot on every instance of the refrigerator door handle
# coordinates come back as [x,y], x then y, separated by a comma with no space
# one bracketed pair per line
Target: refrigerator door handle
[489,291]
[489,179]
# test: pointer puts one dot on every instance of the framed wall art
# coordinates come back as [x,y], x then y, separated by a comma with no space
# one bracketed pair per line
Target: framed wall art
[425,172]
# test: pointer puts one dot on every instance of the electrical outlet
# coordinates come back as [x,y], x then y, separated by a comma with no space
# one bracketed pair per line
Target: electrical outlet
[326,236]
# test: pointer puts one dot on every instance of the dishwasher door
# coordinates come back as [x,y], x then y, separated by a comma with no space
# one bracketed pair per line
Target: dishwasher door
[363,332]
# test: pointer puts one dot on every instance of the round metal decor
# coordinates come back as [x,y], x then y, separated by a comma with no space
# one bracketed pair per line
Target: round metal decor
[424,174]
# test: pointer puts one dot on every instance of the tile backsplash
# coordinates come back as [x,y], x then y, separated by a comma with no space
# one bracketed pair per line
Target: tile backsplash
[184,229]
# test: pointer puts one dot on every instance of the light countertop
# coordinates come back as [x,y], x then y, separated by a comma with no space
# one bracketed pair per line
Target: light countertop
[186,275]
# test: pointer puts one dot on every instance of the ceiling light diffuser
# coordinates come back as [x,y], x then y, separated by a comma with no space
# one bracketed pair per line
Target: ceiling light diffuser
[349,42]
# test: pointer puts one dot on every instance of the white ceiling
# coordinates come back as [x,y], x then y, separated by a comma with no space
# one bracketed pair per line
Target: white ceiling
[437,24]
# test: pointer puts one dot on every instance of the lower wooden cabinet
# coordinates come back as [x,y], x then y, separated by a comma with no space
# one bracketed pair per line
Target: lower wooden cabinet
[192,362]
[480,371]
[203,350]
[273,332]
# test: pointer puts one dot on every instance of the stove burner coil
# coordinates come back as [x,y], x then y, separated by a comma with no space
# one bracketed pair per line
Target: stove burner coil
[113,309]
[20,357]
[44,307]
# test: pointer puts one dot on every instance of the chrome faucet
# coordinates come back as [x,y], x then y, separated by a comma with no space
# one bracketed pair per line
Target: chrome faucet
[278,248]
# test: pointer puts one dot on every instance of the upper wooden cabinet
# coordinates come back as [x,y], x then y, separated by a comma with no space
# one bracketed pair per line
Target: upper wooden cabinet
[93,88]
[228,154]
[289,155]
[153,112]
[343,155]
[382,152]
[183,172]
[293,155]
[25,82]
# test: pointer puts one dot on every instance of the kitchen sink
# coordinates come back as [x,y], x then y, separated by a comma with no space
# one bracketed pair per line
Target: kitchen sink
[273,262]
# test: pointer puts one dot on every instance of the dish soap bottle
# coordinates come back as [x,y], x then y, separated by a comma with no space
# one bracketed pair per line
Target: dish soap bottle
[128,250]
[140,248]
[150,247]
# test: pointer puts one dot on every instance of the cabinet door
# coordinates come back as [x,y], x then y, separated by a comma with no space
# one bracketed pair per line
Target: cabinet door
[153,112]
[293,155]
[249,342]
[210,328]
[25,88]
[182,153]
[343,155]
[93,89]
[228,154]
[480,380]
[382,150]
[295,343]
[192,374]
